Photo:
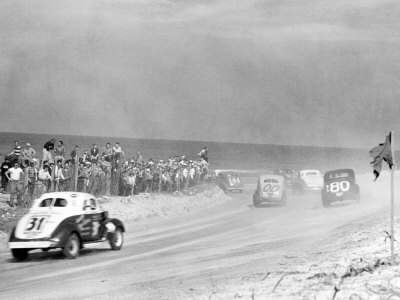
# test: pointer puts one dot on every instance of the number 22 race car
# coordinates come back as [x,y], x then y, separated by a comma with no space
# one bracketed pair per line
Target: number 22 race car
[66,220]
[270,190]
[339,185]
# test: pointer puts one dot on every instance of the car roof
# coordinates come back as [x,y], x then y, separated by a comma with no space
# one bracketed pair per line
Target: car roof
[76,195]
[340,170]
[269,176]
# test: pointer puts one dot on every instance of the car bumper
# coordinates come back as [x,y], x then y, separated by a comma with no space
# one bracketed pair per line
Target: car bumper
[31,245]
[269,200]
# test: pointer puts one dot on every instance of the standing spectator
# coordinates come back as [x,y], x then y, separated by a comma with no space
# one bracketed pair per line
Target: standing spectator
[14,155]
[48,146]
[106,152]
[32,177]
[94,154]
[139,158]
[14,176]
[58,176]
[28,153]
[4,168]
[106,166]
[59,152]
[204,154]
[44,179]
[85,157]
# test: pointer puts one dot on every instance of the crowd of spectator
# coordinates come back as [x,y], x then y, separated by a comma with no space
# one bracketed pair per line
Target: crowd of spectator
[106,171]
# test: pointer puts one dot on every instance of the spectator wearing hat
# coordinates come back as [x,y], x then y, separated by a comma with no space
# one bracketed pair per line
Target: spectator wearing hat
[28,153]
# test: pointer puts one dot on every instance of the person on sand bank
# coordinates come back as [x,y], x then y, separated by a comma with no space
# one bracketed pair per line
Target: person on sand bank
[28,153]
[48,146]
[14,176]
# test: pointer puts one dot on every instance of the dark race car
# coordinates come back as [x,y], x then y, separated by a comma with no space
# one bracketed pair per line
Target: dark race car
[290,176]
[229,182]
[339,185]
[65,220]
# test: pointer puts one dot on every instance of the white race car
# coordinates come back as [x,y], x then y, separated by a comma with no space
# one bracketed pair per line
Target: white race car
[65,220]
[270,189]
[309,180]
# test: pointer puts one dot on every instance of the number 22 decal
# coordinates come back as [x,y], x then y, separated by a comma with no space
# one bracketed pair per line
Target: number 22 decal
[269,188]
[35,223]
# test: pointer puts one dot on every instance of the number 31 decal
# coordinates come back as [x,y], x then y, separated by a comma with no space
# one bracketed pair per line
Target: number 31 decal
[35,224]
[335,187]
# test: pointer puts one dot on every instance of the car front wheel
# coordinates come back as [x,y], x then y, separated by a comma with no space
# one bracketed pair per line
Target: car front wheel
[71,249]
[20,254]
[117,239]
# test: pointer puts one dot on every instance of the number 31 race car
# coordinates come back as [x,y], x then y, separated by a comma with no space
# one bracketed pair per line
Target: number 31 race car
[65,220]
[339,185]
[271,190]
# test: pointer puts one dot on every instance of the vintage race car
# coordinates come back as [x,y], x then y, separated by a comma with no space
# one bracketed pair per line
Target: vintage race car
[229,182]
[290,176]
[309,180]
[66,220]
[270,189]
[339,185]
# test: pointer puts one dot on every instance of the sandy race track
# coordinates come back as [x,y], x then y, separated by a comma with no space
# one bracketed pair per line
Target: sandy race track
[204,254]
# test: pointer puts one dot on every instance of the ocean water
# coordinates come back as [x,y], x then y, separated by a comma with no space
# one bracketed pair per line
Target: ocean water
[253,158]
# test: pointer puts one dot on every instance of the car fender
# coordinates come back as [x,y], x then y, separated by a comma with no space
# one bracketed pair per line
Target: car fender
[118,223]
[64,230]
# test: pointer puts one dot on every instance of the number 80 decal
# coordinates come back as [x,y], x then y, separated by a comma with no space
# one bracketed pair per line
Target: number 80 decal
[335,187]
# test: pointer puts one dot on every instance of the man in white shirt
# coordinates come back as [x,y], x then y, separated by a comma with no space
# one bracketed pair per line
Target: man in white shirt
[14,176]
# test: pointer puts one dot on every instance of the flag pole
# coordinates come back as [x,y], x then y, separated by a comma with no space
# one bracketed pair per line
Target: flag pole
[392,201]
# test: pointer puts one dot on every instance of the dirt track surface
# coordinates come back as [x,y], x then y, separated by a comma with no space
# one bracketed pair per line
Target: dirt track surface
[194,256]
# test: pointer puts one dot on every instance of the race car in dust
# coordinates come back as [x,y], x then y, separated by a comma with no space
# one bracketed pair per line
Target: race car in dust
[66,220]
[291,176]
[229,182]
[309,180]
[339,185]
[270,189]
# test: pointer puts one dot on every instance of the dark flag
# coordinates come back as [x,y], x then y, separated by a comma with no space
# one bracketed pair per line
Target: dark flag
[382,152]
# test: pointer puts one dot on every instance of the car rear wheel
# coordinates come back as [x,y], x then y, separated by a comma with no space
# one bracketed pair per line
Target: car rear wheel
[72,247]
[20,254]
[117,239]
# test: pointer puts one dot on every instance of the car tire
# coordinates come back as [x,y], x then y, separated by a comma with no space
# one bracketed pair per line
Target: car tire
[117,239]
[72,247]
[19,254]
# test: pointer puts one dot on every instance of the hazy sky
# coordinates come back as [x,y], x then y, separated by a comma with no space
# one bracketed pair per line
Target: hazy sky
[321,72]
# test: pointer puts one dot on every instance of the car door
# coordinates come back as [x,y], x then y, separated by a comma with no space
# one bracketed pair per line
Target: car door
[93,218]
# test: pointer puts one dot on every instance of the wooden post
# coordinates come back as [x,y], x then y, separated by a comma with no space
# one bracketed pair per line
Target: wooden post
[392,201]
[76,170]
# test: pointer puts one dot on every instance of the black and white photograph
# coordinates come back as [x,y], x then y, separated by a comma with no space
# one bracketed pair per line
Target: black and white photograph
[199,149]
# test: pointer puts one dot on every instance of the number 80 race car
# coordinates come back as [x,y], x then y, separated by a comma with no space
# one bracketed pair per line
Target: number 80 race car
[339,185]
[65,220]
